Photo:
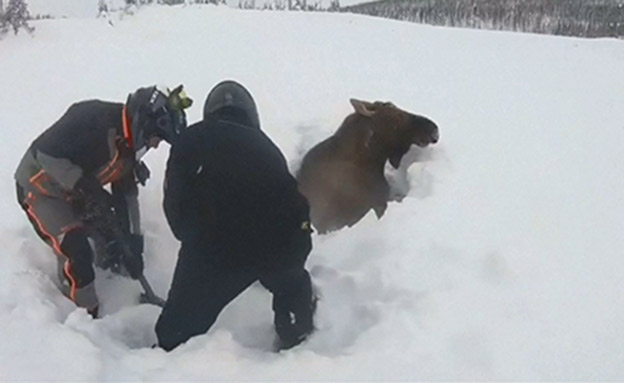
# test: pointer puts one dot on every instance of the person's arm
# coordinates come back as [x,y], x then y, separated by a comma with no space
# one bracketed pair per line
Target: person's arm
[176,189]
[126,204]
[69,145]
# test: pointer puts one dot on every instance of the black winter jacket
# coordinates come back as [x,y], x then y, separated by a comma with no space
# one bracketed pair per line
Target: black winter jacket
[228,191]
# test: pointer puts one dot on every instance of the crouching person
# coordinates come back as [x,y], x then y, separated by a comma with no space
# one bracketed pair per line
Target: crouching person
[231,201]
[61,176]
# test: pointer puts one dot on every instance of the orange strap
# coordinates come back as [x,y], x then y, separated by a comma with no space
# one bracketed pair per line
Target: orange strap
[113,168]
[38,179]
[127,128]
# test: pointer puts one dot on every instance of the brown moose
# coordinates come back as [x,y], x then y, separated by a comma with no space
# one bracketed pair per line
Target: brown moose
[343,176]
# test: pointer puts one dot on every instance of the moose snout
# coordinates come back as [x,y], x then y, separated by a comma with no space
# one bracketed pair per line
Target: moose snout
[435,133]
[427,131]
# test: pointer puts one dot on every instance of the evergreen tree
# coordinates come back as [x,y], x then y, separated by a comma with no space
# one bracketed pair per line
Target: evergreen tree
[334,6]
[102,7]
[16,16]
[171,2]
[3,24]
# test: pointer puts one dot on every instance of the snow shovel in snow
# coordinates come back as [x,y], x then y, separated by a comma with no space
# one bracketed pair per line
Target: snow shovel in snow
[149,296]
[103,220]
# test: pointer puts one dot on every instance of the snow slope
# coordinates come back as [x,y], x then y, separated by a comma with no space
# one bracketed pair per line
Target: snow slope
[503,262]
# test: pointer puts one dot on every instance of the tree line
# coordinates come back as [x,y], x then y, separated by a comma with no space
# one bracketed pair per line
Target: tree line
[301,5]
[583,18]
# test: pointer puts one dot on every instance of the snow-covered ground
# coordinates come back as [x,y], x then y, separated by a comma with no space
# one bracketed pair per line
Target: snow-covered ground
[504,262]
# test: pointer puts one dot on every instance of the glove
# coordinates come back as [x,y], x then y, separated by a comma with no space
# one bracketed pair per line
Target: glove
[109,257]
[133,261]
[141,172]
[91,202]
[87,186]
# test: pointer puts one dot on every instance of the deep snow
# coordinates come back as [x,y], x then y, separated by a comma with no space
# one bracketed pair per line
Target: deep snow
[503,262]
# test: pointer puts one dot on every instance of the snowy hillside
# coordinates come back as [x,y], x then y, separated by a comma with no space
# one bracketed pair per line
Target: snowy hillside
[505,261]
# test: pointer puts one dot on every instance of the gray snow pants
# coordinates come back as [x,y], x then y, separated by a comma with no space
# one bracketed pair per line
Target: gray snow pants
[55,222]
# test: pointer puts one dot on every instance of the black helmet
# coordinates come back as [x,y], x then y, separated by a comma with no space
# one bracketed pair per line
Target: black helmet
[157,112]
[230,94]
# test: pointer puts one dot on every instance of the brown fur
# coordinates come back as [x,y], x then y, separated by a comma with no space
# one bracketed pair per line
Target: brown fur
[343,176]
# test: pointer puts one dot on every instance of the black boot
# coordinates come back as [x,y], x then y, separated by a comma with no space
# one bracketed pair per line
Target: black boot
[94,311]
[294,328]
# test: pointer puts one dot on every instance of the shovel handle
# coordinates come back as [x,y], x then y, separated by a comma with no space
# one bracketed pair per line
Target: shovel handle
[150,296]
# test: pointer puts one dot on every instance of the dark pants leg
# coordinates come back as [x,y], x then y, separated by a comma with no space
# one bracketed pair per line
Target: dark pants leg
[54,221]
[199,292]
[78,270]
[293,303]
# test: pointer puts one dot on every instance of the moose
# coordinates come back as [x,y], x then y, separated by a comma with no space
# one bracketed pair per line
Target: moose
[343,176]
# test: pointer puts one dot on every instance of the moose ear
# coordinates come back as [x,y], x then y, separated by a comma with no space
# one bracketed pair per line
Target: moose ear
[362,107]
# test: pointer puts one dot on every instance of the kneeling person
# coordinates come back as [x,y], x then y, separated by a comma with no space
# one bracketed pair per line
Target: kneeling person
[231,201]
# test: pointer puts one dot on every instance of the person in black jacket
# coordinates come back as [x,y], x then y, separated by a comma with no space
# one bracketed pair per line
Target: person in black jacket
[231,201]
[61,176]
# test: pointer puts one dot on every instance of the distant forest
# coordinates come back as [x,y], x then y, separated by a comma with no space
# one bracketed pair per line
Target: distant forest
[583,18]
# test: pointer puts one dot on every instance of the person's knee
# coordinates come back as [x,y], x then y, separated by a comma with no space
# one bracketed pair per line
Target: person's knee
[75,245]
[77,249]
[168,337]
[177,325]
[189,311]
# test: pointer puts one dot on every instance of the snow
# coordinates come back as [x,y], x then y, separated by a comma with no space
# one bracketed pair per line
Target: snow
[504,261]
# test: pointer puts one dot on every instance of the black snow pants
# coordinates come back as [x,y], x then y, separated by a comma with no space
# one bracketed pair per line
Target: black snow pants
[200,291]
